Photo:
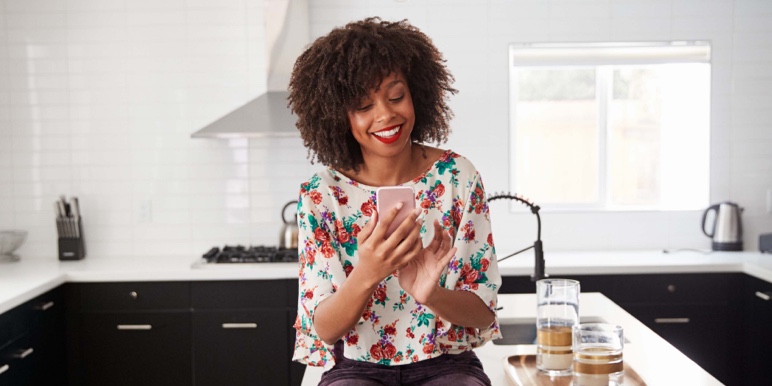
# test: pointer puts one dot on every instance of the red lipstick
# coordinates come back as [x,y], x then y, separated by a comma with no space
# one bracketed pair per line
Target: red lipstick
[391,139]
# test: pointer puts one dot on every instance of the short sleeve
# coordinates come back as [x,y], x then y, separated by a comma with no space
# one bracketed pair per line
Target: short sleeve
[475,268]
[316,253]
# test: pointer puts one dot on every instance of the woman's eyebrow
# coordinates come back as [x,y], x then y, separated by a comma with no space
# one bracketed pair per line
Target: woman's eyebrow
[394,83]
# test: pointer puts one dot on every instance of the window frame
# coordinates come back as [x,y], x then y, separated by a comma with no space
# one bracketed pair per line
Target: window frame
[690,52]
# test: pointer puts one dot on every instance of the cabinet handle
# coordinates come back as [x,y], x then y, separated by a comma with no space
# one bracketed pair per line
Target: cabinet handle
[239,325]
[4,368]
[46,306]
[671,320]
[24,353]
[762,295]
[134,326]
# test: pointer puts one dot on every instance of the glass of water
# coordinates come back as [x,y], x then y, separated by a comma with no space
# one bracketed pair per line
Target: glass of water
[557,312]
[598,355]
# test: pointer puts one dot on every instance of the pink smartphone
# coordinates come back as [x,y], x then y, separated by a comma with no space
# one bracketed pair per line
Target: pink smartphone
[388,196]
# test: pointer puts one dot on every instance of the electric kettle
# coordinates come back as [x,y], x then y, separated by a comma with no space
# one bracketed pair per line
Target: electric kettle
[727,233]
[288,239]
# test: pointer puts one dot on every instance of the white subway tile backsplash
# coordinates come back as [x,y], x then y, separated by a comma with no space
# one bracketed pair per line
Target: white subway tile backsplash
[96,5]
[634,9]
[88,18]
[640,29]
[175,34]
[12,6]
[35,35]
[155,4]
[45,20]
[155,17]
[752,7]
[703,7]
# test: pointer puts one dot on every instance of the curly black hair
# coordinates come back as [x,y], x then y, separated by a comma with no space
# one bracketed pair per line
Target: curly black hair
[338,70]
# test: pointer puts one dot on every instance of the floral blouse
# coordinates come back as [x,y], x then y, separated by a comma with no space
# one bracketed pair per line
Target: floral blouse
[394,329]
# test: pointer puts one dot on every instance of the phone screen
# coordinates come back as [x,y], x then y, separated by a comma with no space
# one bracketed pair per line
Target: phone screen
[388,197]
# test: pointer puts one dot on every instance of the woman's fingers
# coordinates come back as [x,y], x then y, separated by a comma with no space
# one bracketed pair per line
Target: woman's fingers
[404,229]
[436,242]
[448,256]
[385,222]
[367,230]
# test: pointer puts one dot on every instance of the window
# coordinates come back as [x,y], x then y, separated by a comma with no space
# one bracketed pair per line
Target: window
[611,126]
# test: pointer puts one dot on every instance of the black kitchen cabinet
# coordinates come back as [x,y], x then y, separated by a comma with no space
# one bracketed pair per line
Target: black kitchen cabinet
[32,342]
[700,314]
[757,296]
[239,347]
[139,348]
[241,332]
[132,334]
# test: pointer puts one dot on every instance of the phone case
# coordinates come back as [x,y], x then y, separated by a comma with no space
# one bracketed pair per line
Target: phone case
[388,196]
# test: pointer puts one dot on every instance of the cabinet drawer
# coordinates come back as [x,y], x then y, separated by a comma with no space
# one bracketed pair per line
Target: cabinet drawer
[134,296]
[241,347]
[46,314]
[704,333]
[136,348]
[705,288]
[17,361]
[13,324]
[239,294]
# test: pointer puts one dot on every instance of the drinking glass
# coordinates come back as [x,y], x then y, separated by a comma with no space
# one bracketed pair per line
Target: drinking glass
[557,312]
[598,355]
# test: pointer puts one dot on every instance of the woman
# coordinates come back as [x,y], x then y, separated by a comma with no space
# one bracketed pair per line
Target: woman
[375,309]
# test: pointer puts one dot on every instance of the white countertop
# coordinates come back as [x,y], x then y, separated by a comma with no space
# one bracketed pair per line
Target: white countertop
[30,277]
[656,361]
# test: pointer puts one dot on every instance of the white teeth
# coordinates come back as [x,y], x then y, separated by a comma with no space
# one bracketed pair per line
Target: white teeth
[389,133]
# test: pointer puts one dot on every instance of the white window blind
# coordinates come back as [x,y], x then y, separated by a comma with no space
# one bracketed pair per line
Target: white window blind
[600,54]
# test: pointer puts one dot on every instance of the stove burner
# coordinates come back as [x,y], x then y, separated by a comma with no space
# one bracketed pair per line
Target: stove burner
[240,254]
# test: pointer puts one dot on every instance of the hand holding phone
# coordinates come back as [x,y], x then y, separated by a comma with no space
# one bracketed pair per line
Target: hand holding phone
[388,197]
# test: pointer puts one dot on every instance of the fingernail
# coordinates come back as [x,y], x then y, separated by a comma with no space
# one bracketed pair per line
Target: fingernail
[399,205]
[417,211]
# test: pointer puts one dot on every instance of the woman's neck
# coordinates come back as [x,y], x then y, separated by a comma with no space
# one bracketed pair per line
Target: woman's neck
[389,171]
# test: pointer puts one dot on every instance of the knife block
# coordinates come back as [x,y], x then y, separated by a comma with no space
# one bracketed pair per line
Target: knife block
[72,248]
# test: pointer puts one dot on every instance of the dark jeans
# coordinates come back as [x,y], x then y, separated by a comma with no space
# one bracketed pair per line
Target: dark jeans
[448,369]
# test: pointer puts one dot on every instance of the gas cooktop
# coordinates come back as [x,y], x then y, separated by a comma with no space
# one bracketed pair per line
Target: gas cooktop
[239,254]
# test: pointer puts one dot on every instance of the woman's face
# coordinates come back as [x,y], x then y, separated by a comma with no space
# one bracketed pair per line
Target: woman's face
[383,120]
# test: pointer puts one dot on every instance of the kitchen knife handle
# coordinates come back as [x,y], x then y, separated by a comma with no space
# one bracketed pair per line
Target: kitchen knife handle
[671,320]
[24,353]
[239,325]
[135,326]
[762,295]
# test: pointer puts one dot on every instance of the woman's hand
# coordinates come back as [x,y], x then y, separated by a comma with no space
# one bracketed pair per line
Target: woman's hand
[379,257]
[421,276]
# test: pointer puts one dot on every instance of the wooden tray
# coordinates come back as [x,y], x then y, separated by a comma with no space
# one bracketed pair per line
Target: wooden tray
[521,371]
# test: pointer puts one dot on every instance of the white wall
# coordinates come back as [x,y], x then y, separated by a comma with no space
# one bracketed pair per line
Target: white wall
[98,99]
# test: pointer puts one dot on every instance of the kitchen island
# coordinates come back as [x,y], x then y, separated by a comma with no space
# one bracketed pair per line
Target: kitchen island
[656,361]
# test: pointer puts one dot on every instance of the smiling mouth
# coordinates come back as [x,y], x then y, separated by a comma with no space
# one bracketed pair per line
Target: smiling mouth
[388,135]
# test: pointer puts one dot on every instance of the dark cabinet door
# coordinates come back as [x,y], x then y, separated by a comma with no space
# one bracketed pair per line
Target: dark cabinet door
[17,362]
[47,336]
[142,348]
[702,333]
[758,331]
[241,347]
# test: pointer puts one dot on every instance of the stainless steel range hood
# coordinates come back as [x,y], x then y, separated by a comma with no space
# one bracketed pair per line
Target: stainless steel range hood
[287,34]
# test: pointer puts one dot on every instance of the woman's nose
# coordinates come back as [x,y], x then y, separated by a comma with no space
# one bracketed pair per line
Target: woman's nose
[383,112]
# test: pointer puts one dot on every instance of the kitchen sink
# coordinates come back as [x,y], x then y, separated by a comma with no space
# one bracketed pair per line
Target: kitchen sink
[523,330]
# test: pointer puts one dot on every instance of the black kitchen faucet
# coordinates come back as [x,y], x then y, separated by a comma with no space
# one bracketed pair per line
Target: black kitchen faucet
[538,266]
